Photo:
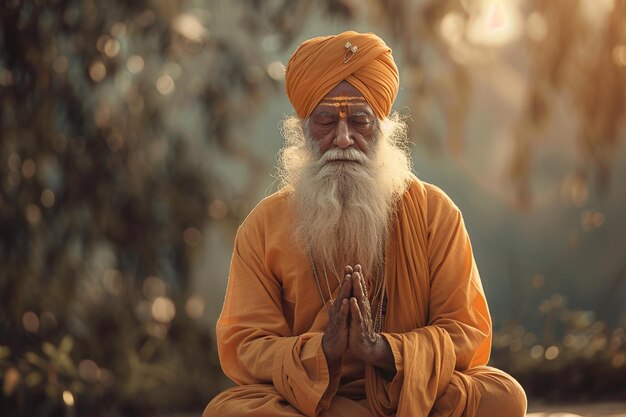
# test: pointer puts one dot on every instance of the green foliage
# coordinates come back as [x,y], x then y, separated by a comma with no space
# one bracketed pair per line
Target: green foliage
[125,365]
[110,113]
[112,118]
[576,357]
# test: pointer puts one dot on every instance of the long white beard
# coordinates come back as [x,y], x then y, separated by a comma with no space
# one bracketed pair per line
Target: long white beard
[344,209]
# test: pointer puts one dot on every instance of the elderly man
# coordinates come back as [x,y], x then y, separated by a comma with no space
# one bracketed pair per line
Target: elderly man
[353,290]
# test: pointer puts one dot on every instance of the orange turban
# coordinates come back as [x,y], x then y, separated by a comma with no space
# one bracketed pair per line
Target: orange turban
[317,66]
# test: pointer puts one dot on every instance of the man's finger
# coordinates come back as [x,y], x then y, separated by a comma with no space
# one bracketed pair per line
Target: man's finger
[364,291]
[341,296]
[357,284]
[339,317]
[349,269]
[346,288]
[357,268]
[357,318]
[361,296]
[343,312]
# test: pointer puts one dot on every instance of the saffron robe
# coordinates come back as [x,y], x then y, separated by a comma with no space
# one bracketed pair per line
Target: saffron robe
[437,323]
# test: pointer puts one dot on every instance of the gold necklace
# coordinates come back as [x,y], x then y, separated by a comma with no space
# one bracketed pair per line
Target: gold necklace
[378,300]
[378,297]
[317,280]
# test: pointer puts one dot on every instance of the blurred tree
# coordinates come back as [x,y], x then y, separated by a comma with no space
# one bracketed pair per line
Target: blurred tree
[583,61]
[575,357]
[112,116]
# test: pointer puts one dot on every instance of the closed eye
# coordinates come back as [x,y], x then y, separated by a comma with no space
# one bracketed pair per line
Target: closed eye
[360,121]
[325,121]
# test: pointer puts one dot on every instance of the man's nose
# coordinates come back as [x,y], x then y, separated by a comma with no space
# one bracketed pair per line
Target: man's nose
[343,138]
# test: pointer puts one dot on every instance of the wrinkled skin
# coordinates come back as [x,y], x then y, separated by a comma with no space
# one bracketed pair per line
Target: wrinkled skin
[351,326]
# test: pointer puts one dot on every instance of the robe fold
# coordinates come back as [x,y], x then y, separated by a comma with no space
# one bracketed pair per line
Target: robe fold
[437,322]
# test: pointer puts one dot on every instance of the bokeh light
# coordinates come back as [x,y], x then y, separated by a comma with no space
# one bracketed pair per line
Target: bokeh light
[33,214]
[165,84]
[163,310]
[494,22]
[190,27]
[14,162]
[135,64]
[192,236]
[135,140]
[68,398]
[217,209]
[552,352]
[194,307]
[30,322]
[12,378]
[536,27]
[154,287]
[97,71]
[113,282]
[276,70]
[61,64]
[29,168]
[453,27]
[111,48]
[47,198]
[89,370]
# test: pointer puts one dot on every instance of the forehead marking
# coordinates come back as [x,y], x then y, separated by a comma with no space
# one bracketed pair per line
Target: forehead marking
[322,103]
[343,102]
[345,98]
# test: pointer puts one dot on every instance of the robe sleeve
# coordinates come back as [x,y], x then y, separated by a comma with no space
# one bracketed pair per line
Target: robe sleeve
[457,334]
[255,343]
[457,301]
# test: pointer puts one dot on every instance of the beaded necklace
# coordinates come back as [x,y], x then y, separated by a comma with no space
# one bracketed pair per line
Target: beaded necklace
[378,300]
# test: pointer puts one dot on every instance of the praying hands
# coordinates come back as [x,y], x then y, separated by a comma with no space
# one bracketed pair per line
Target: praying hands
[351,326]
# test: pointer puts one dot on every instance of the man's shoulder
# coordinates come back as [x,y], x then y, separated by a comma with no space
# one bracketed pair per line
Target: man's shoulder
[428,196]
[274,208]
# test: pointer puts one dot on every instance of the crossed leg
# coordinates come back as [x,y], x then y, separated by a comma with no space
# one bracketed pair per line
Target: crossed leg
[478,392]
[262,400]
[481,392]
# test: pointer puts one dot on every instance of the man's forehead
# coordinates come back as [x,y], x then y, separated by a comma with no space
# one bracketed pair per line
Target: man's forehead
[343,94]
[340,101]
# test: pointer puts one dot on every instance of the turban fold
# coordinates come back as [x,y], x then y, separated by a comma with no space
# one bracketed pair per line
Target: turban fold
[317,66]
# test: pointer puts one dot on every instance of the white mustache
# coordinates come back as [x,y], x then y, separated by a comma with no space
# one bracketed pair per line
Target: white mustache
[350,154]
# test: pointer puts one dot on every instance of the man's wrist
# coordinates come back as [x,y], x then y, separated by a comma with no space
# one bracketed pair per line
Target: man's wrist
[333,363]
[382,355]
[332,359]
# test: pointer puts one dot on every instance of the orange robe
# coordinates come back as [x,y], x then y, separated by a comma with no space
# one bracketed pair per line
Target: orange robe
[437,323]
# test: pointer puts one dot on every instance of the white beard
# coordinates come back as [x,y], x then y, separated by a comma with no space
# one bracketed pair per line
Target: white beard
[344,209]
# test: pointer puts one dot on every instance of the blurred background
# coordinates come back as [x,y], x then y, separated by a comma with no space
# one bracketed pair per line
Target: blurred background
[136,136]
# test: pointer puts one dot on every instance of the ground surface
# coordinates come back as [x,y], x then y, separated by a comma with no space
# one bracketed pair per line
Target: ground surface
[609,409]
[536,409]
